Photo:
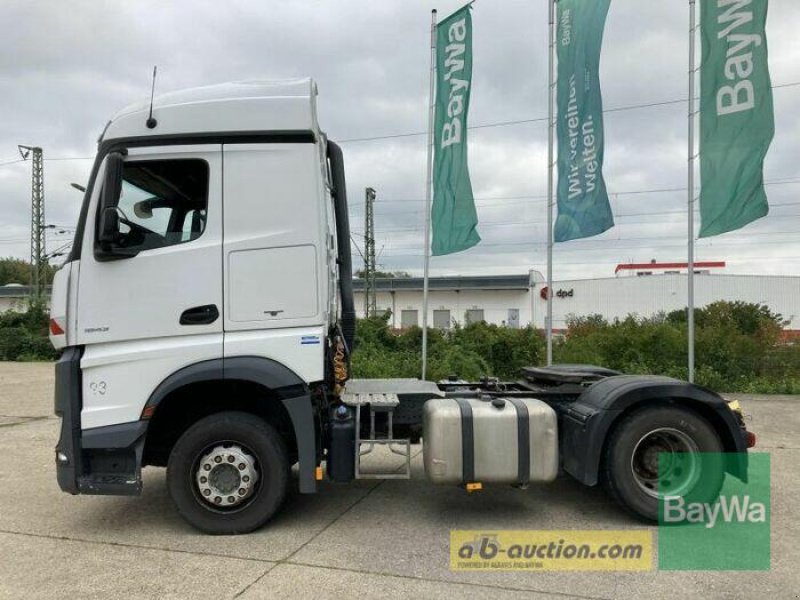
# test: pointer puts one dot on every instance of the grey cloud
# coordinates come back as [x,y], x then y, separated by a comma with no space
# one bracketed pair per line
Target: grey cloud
[67,66]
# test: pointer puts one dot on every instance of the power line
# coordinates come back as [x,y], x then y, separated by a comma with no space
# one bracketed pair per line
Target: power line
[492,224]
[794,258]
[537,119]
[654,245]
[57,158]
[71,158]
[778,181]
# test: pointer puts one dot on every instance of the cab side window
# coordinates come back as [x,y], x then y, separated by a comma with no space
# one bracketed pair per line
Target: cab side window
[162,202]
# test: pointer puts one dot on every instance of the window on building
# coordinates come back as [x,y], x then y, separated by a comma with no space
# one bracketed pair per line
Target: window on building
[441,319]
[163,202]
[409,318]
[474,315]
[513,318]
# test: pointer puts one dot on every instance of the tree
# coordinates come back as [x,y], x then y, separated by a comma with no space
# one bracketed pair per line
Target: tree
[17,270]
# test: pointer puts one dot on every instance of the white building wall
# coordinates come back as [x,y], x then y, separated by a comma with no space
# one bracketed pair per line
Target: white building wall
[645,296]
[494,303]
[613,298]
[11,303]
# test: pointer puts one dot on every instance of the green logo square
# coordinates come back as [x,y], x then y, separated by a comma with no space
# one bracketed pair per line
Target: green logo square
[702,530]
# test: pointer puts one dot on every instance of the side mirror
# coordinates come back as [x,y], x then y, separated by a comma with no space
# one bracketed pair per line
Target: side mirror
[108,231]
[143,209]
[112,183]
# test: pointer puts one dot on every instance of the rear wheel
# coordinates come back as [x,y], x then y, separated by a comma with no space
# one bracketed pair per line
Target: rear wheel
[660,452]
[228,473]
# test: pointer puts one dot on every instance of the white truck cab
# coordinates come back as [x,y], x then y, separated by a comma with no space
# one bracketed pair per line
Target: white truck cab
[206,318]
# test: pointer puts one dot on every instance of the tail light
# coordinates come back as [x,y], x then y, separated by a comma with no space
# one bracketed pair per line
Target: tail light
[55,328]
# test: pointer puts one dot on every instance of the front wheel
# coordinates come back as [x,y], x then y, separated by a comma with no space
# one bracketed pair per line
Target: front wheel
[662,451]
[228,473]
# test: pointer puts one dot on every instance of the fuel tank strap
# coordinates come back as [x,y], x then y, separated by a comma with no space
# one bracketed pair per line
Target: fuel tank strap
[524,441]
[467,441]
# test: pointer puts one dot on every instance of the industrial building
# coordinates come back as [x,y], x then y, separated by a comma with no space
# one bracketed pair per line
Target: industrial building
[518,300]
[15,297]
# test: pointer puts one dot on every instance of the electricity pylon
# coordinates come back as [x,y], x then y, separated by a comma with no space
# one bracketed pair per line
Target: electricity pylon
[38,250]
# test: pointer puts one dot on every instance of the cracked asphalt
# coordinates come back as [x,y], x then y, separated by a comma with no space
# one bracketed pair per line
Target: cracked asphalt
[386,539]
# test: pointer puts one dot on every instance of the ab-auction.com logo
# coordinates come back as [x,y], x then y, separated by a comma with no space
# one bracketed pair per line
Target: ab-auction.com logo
[486,547]
[568,550]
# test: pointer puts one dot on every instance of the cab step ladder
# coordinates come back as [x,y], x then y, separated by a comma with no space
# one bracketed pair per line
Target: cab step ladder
[384,405]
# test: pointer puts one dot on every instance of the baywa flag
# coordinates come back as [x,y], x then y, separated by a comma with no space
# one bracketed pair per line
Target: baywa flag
[453,214]
[736,115]
[583,208]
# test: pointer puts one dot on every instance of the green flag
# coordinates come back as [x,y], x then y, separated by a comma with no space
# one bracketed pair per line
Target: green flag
[736,119]
[583,208]
[453,215]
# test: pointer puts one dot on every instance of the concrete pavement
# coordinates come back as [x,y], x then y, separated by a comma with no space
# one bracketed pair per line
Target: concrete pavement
[375,539]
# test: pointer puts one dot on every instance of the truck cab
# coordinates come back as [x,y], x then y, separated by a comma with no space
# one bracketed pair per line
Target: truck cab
[206,319]
[206,252]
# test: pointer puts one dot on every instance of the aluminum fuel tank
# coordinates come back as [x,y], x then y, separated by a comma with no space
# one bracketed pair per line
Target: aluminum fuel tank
[496,440]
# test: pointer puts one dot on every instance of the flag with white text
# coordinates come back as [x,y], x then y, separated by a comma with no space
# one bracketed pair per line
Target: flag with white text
[736,114]
[583,207]
[453,215]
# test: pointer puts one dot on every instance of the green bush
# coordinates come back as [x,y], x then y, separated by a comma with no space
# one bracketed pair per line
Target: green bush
[738,348]
[23,335]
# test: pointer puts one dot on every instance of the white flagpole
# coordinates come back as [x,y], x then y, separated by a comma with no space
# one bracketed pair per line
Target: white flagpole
[550,126]
[690,195]
[428,189]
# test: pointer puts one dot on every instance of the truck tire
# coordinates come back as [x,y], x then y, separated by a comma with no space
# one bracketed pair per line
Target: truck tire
[631,463]
[228,473]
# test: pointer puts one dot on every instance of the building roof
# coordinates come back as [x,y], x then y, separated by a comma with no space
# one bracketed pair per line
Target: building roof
[15,290]
[656,266]
[280,105]
[457,283]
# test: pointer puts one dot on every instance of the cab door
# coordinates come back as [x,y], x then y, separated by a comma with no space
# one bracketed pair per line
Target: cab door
[146,315]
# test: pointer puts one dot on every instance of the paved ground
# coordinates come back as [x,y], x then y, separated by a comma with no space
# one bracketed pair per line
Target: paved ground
[374,540]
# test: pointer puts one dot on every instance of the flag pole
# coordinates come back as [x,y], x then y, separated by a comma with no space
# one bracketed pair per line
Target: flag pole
[428,188]
[550,126]
[690,195]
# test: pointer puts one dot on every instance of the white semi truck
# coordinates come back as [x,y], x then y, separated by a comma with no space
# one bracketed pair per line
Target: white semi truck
[206,319]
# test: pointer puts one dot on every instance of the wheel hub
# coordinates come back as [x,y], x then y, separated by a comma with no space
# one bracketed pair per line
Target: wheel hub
[678,470]
[226,476]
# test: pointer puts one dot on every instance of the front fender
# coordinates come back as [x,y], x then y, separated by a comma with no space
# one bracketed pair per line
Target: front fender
[587,422]
[285,383]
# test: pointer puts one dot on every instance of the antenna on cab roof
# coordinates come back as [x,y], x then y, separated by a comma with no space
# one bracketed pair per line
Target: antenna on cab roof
[151,122]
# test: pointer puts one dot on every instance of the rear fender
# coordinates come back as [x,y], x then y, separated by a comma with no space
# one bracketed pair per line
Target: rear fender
[587,423]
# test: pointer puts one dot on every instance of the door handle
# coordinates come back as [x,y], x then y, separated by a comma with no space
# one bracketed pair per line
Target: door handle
[200,315]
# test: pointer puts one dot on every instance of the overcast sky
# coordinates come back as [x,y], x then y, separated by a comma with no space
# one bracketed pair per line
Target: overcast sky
[67,66]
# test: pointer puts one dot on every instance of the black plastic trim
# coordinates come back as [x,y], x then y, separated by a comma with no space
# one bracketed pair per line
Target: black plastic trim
[285,383]
[585,424]
[199,315]
[110,437]
[467,441]
[523,441]
[68,403]
[344,258]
